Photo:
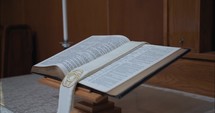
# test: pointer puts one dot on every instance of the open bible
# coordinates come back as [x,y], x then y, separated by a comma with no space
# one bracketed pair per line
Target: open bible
[113,63]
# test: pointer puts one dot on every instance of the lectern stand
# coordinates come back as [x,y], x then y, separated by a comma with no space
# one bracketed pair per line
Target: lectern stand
[91,102]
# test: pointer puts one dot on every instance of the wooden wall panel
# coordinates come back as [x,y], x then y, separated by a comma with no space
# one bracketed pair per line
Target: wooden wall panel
[12,12]
[86,18]
[45,18]
[0,12]
[190,24]
[137,19]
[184,23]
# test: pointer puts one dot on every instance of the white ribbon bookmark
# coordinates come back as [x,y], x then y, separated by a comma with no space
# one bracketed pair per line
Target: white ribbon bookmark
[67,89]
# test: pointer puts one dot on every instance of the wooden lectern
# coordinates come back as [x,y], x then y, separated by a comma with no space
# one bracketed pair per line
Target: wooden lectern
[92,102]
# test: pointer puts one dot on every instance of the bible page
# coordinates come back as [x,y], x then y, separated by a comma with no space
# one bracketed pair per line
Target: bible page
[127,67]
[84,52]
